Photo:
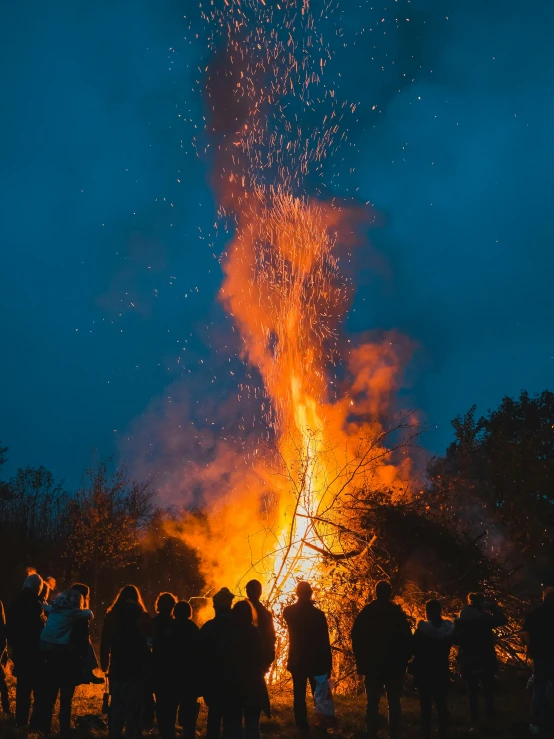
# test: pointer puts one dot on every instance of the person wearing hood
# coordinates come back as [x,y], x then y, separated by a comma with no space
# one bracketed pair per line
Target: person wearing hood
[538,634]
[219,684]
[61,665]
[24,624]
[382,645]
[474,635]
[309,650]
[430,666]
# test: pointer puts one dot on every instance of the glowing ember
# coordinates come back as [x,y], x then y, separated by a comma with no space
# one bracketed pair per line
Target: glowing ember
[273,122]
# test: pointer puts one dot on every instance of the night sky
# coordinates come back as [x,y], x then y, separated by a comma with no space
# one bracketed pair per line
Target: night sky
[109,273]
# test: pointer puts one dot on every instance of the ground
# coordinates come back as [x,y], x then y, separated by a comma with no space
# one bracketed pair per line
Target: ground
[512,723]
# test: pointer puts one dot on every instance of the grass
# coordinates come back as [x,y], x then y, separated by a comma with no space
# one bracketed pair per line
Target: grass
[512,706]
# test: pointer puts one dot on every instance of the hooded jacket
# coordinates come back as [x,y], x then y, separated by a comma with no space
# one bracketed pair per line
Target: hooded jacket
[62,614]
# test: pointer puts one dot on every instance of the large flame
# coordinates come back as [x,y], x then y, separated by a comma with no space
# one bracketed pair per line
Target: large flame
[273,122]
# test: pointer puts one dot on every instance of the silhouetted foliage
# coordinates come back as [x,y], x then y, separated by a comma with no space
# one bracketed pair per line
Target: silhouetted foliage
[498,475]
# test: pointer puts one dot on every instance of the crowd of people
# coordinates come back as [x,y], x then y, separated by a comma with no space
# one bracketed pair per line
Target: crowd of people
[158,668]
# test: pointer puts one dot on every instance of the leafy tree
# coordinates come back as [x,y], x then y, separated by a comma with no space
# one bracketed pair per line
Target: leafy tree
[499,472]
[107,513]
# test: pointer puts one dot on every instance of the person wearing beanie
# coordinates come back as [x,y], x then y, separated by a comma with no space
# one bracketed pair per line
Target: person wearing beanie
[24,624]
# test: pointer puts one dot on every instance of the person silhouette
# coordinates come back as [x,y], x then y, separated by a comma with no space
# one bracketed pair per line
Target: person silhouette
[309,650]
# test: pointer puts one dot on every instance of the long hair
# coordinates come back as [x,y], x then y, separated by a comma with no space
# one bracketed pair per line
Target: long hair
[127,592]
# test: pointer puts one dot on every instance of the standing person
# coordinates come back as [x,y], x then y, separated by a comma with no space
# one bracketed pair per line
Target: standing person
[4,694]
[264,622]
[128,593]
[128,656]
[474,635]
[309,650]
[24,625]
[61,664]
[538,633]
[430,667]
[382,645]
[165,668]
[219,684]
[186,655]
[250,662]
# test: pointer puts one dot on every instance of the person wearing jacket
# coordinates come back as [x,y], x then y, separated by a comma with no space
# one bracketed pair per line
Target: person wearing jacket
[165,668]
[186,635]
[474,635]
[264,622]
[4,694]
[250,664]
[128,665]
[382,645]
[538,634]
[430,666]
[24,625]
[309,650]
[61,664]
[219,684]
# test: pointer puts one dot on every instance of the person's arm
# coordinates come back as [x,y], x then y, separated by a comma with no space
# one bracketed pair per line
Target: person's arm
[85,613]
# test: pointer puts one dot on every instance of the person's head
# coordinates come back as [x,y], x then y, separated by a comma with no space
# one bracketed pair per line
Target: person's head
[383,590]
[182,611]
[476,599]
[33,583]
[84,590]
[51,582]
[165,603]
[304,591]
[433,610]
[71,597]
[128,593]
[242,611]
[254,590]
[223,600]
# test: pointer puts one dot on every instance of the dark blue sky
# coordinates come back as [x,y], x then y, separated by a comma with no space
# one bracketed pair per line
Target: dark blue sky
[108,280]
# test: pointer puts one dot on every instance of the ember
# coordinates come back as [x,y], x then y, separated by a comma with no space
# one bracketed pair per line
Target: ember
[291,517]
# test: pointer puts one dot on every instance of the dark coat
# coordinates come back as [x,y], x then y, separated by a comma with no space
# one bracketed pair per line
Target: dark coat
[267,633]
[186,651]
[164,665]
[248,658]
[24,624]
[111,626]
[382,640]
[539,625]
[128,651]
[309,647]
[431,646]
[216,652]
[474,634]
